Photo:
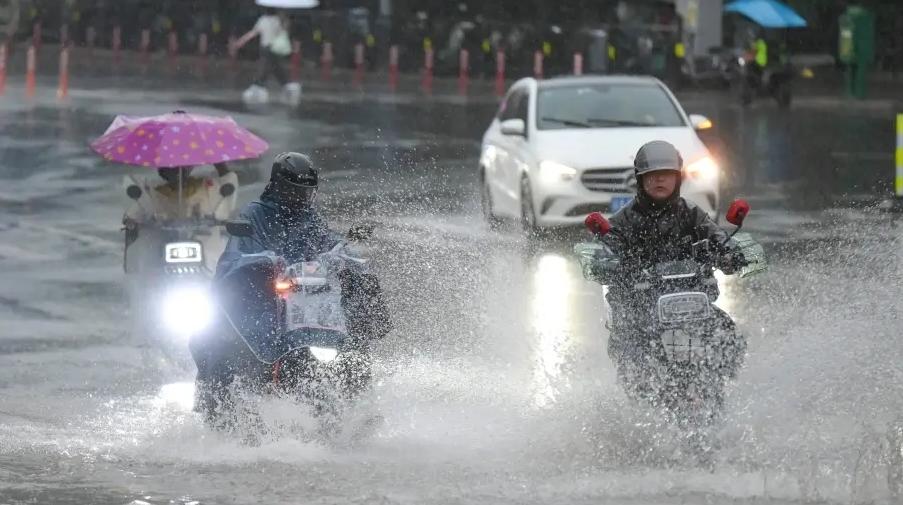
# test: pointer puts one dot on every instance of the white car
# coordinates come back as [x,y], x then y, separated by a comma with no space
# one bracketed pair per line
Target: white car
[561,148]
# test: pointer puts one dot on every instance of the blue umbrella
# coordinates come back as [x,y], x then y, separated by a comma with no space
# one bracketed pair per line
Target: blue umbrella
[767,13]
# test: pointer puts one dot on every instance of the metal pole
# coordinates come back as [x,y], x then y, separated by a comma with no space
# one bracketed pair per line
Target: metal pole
[895,204]
[180,191]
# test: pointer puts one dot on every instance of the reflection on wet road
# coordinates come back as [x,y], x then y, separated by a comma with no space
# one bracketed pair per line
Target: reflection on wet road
[551,311]
[495,386]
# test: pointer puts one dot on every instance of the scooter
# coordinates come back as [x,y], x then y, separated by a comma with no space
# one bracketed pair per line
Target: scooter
[171,296]
[299,330]
[673,348]
[748,82]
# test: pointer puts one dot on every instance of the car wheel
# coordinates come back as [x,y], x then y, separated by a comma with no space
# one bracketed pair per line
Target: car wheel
[527,212]
[486,205]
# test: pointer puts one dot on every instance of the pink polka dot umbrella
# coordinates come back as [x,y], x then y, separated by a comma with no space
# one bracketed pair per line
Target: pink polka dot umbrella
[177,139]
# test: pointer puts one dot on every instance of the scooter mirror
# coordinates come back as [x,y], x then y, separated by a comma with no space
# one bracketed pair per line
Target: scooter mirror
[597,224]
[226,190]
[737,212]
[133,191]
[239,228]
[362,231]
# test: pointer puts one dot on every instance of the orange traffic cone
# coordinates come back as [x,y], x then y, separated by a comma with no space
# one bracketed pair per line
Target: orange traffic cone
[30,83]
[2,69]
[63,91]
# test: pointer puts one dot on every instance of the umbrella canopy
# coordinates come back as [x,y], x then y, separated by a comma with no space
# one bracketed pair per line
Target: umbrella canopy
[289,4]
[767,13]
[177,139]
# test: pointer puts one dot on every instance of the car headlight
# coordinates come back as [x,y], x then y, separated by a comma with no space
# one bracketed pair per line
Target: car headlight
[703,169]
[552,171]
[324,353]
[187,310]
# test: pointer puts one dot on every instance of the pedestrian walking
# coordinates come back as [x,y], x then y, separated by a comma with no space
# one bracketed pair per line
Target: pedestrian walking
[275,47]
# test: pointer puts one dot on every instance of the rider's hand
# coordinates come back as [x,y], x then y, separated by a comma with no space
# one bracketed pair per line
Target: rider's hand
[129,223]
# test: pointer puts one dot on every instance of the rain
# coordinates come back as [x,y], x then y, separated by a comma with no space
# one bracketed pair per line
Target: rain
[482,370]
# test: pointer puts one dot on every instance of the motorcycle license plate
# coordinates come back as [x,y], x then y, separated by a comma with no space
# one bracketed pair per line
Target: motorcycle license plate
[619,202]
[319,310]
[679,307]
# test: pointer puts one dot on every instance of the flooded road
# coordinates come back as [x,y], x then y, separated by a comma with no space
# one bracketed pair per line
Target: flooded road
[495,385]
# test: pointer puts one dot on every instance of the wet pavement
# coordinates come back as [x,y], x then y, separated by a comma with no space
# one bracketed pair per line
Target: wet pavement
[495,386]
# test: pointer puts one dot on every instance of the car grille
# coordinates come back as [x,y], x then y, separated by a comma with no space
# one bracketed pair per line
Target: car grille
[582,210]
[609,180]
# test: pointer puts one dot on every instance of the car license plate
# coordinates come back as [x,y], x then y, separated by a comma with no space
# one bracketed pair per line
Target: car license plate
[619,202]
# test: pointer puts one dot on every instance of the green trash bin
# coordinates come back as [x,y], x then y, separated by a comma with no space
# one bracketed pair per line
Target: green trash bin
[856,48]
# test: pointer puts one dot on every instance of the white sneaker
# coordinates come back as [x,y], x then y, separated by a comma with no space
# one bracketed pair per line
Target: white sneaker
[256,94]
[291,93]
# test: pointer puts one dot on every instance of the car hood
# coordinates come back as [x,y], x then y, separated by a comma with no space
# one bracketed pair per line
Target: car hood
[611,147]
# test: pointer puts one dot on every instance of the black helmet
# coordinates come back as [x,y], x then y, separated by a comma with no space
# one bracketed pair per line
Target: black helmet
[294,179]
[657,155]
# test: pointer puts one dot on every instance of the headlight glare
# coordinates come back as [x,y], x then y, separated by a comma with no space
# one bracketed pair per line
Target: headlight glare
[187,310]
[324,353]
[552,171]
[703,169]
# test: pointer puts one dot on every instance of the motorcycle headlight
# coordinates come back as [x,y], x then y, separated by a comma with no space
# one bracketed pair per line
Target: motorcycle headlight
[324,353]
[704,169]
[184,252]
[187,310]
[552,171]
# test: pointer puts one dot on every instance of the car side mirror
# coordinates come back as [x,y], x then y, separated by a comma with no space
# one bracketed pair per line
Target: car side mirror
[227,190]
[700,122]
[361,231]
[240,228]
[597,224]
[737,212]
[133,191]
[514,127]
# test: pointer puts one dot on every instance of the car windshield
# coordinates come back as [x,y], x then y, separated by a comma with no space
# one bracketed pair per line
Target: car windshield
[605,106]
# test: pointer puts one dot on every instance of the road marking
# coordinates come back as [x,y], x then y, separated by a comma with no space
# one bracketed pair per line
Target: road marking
[864,155]
[82,238]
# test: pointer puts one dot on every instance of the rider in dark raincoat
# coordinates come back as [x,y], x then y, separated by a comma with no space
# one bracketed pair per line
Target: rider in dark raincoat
[287,229]
[657,226]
